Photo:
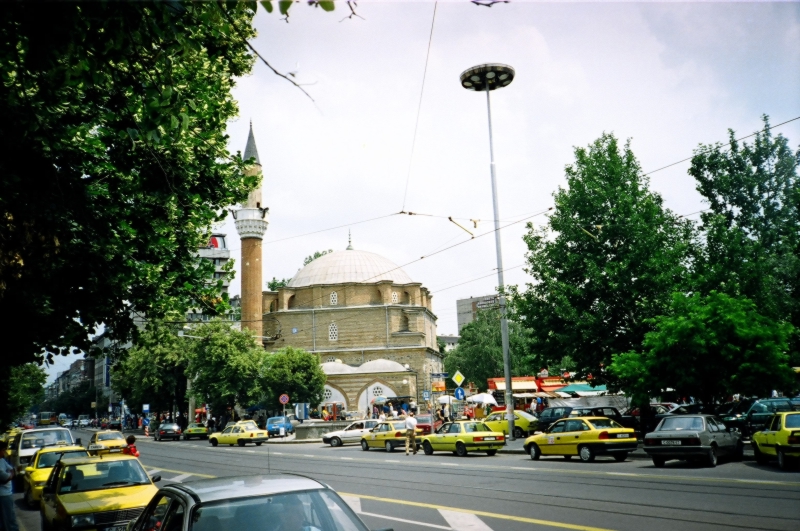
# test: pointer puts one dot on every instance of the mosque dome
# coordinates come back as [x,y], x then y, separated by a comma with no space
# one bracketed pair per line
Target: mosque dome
[350,266]
[381,365]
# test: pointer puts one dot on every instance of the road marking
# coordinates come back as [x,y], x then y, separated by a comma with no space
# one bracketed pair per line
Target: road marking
[464,521]
[346,458]
[154,471]
[179,479]
[353,502]
[182,472]
[307,455]
[449,464]
[416,523]
[522,519]
[390,461]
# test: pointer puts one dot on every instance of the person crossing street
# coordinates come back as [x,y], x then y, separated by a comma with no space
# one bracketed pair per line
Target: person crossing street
[411,432]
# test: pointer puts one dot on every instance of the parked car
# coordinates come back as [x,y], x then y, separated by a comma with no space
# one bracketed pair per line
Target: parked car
[462,437]
[586,437]
[524,423]
[388,435]
[751,415]
[24,445]
[167,430]
[551,414]
[241,433]
[780,439]
[39,470]
[248,502]
[795,403]
[114,424]
[105,441]
[83,421]
[693,438]
[277,424]
[628,421]
[351,434]
[428,423]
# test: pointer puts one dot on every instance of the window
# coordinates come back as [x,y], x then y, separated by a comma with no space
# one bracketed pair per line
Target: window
[575,425]
[403,323]
[394,297]
[793,421]
[455,428]
[327,395]
[330,359]
[334,298]
[377,391]
[558,427]
[333,332]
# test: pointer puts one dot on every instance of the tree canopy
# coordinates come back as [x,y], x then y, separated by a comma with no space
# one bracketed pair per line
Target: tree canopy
[115,113]
[292,371]
[24,389]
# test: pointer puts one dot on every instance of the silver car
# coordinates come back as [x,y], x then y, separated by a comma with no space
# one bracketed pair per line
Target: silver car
[692,438]
[351,434]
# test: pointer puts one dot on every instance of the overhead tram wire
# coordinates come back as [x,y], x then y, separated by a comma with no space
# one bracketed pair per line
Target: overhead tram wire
[419,107]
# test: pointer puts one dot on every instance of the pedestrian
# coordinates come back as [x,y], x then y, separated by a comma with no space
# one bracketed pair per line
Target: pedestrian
[411,433]
[131,448]
[8,518]
[211,423]
[382,416]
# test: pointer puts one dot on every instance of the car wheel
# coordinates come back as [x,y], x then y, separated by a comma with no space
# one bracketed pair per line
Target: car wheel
[518,432]
[259,443]
[586,454]
[364,445]
[389,447]
[240,442]
[461,450]
[213,442]
[336,441]
[783,461]
[535,452]
[712,458]
[491,452]
[427,448]
[658,462]
[761,459]
[620,457]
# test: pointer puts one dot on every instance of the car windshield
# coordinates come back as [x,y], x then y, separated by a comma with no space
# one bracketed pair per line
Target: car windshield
[102,475]
[113,436]
[681,423]
[40,439]
[49,459]
[526,416]
[196,426]
[276,420]
[424,419]
[471,427]
[605,423]
[318,510]
[793,421]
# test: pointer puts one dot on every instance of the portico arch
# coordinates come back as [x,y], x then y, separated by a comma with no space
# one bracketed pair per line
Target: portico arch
[376,388]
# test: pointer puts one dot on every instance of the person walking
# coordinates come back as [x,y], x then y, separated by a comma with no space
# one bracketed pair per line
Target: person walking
[8,518]
[411,433]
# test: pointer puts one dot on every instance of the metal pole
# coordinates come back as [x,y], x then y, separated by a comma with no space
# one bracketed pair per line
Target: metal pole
[501,284]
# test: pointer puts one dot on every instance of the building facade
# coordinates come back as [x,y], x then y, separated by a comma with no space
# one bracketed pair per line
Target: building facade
[467,309]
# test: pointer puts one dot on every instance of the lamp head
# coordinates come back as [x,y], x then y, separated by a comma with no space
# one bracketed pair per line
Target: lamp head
[489,76]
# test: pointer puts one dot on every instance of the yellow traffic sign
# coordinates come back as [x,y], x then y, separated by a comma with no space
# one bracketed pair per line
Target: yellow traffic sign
[458,378]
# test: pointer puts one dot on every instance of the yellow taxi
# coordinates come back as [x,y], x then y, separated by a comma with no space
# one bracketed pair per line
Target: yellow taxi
[38,471]
[103,492]
[462,437]
[106,441]
[524,423]
[780,439]
[390,434]
[239,433]
[195,430]
[586,437]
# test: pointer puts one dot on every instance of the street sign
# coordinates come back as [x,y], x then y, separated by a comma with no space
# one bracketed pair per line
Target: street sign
[110,409]
[458,378]
[459,394]
[426,395]
[145,408]
[94,405]
[284,399]
[440,375]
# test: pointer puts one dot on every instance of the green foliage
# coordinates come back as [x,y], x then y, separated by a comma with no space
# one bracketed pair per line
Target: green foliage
[115,113]
[154,369]
[317,254]
[224,364]
[274,284]
[292,371]
[752,232]
[605,264]
[441,345]
[709,347]
[479,354]
[24,389]
[76,401]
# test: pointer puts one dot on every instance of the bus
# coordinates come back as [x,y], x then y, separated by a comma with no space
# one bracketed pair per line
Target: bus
[47,418]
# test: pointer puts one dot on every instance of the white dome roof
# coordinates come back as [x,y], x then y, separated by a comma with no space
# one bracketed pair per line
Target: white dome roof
[333,367]
[342,267]
[381,365]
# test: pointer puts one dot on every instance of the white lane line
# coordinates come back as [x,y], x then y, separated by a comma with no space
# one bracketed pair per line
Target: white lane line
[622,474]
[346,458]
[153,471]
[308,455]
[391,461]
[449,464]
[276,453]
[464,521]
[353,502]
[409,521]
[178,479]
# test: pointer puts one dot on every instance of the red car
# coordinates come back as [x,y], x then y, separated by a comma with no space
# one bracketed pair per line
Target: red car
[424,423]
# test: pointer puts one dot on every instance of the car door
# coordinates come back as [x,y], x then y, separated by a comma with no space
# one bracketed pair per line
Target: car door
[49,504]
[771,435]
[452,436]
[379,436]
[495,422]
[353,432]
[226,436]
[568,441]
[437,440]
[553,438]
[725,440]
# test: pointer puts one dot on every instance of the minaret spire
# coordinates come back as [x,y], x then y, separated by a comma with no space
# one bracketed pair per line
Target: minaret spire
[349,241]
[250,150]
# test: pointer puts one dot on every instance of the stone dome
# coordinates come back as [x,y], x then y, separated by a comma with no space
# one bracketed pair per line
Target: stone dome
[344,267]
[381,365]
[333,367]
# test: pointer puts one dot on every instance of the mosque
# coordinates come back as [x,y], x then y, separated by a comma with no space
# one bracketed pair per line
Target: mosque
[370,324]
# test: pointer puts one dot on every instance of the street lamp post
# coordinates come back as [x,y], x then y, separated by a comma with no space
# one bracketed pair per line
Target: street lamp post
[489,77]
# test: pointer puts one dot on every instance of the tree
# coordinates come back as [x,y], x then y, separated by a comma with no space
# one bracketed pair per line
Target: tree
[274,284]
[479,354]
[709,347]
[292,371]
[752,230]
[114,116]
[224,366]
[317,254]
[153,371]
[75,401]
[25,388]
[607,262]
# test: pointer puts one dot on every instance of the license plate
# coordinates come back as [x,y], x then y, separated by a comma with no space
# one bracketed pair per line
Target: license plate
[116,528]
[670,443]
[623,435]
[489,438]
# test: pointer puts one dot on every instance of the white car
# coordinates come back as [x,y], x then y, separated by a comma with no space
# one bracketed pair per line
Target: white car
[351,434]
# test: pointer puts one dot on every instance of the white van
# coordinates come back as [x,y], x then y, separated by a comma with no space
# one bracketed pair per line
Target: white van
[83,421]
[28,442]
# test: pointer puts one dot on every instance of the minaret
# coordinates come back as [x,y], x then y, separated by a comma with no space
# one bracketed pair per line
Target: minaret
[251,224]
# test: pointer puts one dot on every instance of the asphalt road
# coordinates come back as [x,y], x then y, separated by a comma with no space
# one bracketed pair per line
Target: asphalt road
[504,492]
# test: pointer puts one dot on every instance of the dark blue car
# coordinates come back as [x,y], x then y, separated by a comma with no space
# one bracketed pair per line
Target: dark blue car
[275,424]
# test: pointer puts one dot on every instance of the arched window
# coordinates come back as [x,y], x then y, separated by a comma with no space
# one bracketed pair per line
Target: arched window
[333,332]
[327,395]
[394,297]
[334,298]
[404,323]
[292,302]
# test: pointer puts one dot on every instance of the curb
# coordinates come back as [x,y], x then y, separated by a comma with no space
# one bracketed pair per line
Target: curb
[295,441]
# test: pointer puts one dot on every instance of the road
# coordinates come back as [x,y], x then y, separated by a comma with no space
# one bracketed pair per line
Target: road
[505,492]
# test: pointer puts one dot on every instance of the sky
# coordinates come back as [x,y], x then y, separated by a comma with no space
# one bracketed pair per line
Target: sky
[666,76]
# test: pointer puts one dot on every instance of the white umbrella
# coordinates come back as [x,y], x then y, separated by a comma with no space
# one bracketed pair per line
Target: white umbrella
[482,398]
[447,399]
